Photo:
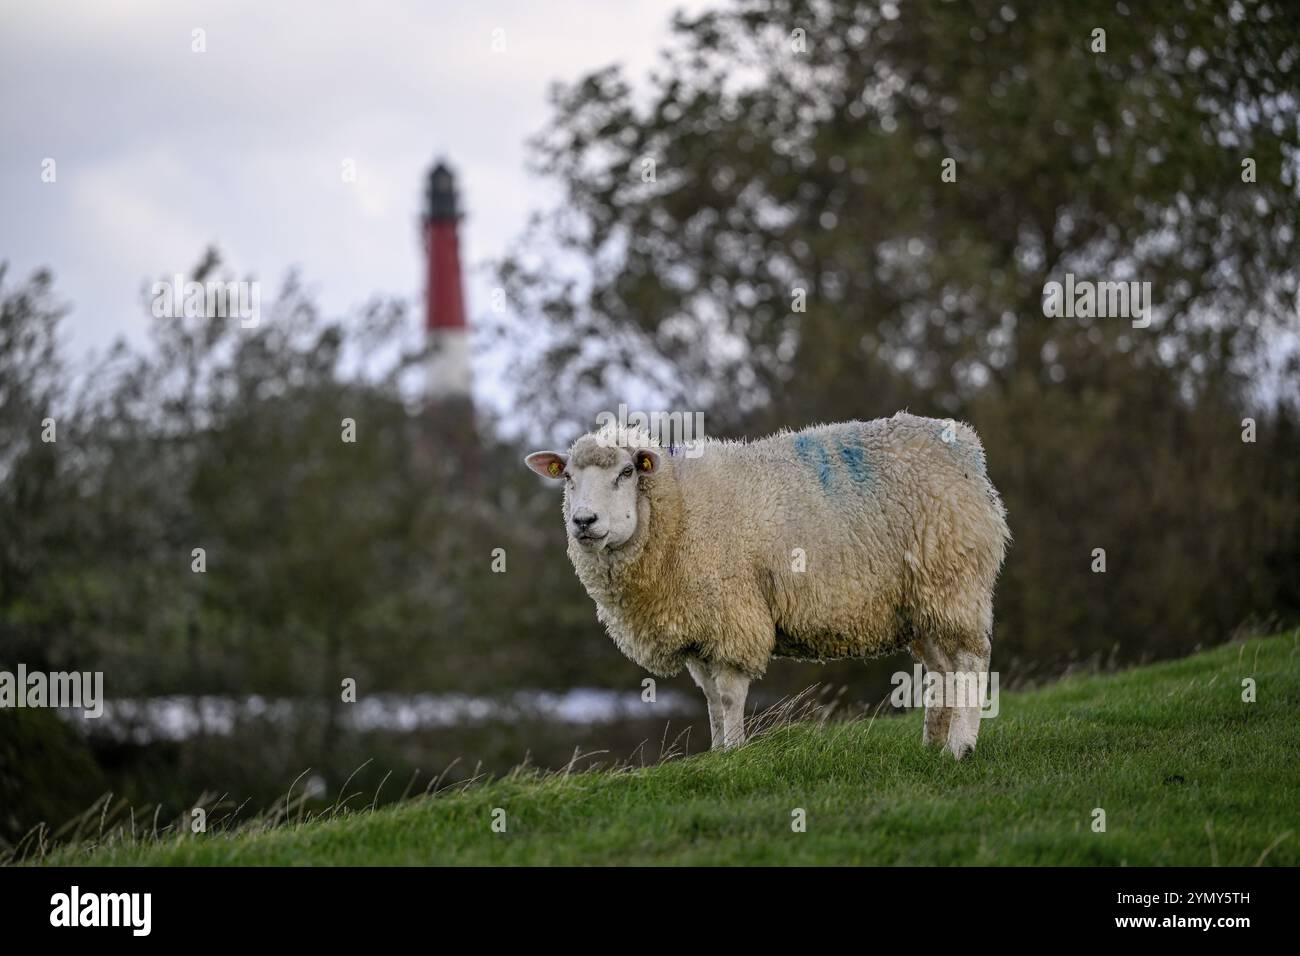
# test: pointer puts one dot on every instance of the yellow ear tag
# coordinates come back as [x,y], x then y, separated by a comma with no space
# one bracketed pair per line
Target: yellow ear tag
[645,462]
[554,469]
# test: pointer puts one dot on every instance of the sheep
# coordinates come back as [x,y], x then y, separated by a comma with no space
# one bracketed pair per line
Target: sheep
[847,540]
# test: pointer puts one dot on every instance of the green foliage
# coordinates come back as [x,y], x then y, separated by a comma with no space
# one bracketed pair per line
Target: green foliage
[47,774]
[1186,772]
[324,558]
[779,167]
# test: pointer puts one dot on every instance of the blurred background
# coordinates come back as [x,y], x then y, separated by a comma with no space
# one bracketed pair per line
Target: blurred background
[735,208]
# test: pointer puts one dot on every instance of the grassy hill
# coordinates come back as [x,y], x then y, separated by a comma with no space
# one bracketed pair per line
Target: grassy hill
[1186,772]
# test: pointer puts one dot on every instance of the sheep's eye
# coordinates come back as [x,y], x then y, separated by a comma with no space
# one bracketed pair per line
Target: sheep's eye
[627,472]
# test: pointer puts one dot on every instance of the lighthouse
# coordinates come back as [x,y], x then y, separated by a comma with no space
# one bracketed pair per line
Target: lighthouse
[444,301]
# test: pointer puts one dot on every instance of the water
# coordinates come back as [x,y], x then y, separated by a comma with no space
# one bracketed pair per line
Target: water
[182,717]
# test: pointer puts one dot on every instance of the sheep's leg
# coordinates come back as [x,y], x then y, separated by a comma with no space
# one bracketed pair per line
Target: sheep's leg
[732,687]
[971,684]
[938,717]
[702,676]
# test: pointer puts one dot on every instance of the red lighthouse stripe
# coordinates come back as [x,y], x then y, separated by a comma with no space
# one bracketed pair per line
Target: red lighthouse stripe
[444,306]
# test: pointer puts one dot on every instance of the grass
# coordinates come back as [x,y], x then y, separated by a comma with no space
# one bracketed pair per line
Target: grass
[1187,773]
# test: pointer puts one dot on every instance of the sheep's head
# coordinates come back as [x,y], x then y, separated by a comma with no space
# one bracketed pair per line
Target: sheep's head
[604,497]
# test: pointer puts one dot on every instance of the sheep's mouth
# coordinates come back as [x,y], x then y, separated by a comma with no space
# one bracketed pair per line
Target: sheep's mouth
[591,538]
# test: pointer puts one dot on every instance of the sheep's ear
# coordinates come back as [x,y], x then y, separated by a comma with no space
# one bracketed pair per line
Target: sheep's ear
[646,460]
[548,464]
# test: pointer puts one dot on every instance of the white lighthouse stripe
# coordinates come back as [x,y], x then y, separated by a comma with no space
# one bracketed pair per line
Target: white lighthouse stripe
[449,368]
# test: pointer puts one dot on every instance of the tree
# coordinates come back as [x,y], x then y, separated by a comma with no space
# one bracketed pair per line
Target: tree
[827,210]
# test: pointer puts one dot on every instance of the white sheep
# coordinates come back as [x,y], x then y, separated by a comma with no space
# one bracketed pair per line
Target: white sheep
[849,540]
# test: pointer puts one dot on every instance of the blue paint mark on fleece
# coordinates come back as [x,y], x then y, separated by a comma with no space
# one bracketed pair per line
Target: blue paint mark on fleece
[812,454]
[855,460]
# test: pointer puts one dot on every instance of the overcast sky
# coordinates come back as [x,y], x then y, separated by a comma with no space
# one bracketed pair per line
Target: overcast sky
[162,151]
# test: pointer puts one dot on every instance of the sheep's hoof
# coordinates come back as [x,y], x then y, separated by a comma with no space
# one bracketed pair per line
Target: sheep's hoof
[960,749]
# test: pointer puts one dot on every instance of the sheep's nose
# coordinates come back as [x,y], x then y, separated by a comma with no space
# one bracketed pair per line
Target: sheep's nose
[582,520]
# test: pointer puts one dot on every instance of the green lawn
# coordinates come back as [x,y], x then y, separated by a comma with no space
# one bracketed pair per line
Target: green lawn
[1187,773]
